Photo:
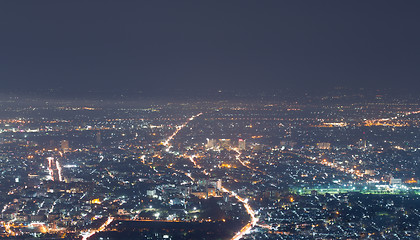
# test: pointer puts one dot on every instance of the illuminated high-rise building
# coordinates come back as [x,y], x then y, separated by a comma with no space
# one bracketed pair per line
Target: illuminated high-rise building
[242,144]
[211,143]
[219,184]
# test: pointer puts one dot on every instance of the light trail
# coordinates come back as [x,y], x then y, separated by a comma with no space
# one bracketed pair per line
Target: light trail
[87,235]
[50,161]
[8,229]
[167,144]
[238,158]
[324,162]
[7,225]
[349,171]
[247,228]
[191,158]
[54,165]
[389,121]
[60,177]
[109,173]
[266,226]
[178,128]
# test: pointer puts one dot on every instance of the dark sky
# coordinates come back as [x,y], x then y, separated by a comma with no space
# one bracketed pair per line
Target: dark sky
[144,45]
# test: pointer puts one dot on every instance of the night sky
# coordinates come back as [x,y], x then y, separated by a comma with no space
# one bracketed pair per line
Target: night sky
[196,45]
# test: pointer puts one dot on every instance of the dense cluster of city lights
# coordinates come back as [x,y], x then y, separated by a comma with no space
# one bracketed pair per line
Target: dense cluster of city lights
[247,228]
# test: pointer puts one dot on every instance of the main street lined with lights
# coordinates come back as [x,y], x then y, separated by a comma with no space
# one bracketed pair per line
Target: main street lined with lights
[247,228]
[88,234]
